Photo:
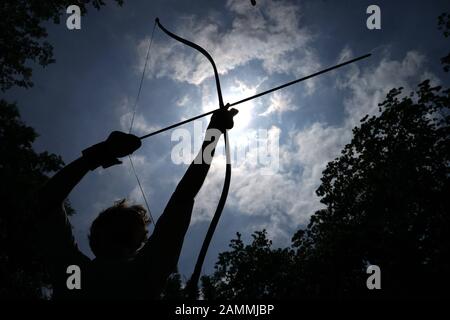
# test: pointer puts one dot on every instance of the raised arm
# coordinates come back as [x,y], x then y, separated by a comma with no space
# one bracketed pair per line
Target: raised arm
[56,237]
[195,176]
[103,154]
[163,249]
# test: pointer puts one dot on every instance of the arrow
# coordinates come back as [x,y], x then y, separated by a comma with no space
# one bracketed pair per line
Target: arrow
[258,95]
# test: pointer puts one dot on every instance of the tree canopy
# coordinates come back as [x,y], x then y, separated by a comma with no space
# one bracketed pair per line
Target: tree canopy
[387,204]
[385,197]
[23,171]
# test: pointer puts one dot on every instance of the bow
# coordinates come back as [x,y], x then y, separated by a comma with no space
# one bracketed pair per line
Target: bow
[191,289]
[192,285]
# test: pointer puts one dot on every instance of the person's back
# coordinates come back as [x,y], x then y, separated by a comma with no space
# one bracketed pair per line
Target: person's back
[114,279]
[115,238]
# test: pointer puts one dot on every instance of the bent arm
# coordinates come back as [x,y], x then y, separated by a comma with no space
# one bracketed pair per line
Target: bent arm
[104,154]
[55,232]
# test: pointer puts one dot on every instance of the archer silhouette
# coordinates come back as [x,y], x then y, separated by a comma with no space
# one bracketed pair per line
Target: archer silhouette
[128,264]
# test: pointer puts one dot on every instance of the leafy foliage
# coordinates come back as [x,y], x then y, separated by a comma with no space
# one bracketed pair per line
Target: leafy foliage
[387,203]
[386,199]
[251,271]
[22,172]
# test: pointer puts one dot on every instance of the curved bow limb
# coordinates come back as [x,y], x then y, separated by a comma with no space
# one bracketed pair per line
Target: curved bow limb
[191,289]
[203,51]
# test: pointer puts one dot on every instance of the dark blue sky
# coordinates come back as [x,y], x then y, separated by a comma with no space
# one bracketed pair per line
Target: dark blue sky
[91,88]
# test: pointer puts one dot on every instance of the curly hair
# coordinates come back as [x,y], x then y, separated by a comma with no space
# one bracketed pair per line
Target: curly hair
[118,229]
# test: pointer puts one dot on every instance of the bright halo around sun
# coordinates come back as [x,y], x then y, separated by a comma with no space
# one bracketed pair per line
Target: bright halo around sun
[235,93]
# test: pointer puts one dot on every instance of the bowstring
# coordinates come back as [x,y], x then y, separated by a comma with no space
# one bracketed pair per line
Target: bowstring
[132,122]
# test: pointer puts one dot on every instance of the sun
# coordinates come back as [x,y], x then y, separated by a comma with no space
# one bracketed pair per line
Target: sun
[244,117]
[236,92]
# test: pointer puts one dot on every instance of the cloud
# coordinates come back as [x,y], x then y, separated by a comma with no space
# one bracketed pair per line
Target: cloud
[183,101]
[140,123]
[279,103]
[369,87]
[276,39]
[286,198]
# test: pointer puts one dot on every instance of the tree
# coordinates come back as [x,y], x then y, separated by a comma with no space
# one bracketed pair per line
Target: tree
[22,172]
[22,35]
[387,201]
[387,204]
[254,271]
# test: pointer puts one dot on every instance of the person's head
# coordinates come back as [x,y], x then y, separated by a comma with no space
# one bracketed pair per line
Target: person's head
[119,231]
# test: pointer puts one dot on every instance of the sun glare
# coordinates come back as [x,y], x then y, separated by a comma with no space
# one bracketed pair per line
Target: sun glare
[238,92]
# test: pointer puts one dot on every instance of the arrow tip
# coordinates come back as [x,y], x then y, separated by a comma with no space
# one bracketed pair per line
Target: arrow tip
[157,20]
